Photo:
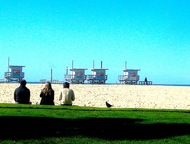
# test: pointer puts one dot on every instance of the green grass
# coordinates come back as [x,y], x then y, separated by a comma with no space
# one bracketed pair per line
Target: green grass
[38,124]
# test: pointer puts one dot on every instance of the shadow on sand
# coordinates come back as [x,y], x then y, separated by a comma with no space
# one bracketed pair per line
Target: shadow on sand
[113,129]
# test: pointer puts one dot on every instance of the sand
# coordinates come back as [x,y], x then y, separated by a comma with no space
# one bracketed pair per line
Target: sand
[121,96]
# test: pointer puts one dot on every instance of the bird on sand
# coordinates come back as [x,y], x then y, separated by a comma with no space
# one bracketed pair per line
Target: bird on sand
[108,105]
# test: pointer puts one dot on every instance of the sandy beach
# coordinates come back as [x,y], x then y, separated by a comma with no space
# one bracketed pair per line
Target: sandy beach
[121,96]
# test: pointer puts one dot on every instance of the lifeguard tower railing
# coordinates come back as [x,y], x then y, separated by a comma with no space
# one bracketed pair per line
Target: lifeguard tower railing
[96,79]
[144,83]
[125,79]
[1,80]
[74,78]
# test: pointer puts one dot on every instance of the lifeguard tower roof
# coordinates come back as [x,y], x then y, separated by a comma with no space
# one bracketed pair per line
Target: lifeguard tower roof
[73,69]
[132,69]
[98,69]
[13,66]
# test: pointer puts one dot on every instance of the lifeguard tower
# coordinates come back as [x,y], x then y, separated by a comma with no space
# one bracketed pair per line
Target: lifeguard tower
[130,76]
[14,73]
[98,75]
[76,76]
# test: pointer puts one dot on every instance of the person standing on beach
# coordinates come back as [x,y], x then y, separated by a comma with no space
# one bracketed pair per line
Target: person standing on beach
[145,81]
[22,94]
[66,95]
[47,95]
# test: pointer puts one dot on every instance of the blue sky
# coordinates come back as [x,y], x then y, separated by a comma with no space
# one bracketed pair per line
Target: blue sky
[151,35]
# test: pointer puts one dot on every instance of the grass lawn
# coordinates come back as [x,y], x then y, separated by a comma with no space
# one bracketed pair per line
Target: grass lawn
[38,124]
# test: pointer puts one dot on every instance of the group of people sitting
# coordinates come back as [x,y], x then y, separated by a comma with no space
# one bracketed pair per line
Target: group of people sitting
[66,97]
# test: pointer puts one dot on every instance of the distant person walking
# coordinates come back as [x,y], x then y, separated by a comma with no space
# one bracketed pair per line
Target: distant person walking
[22,94]
[67,95]
[47,95]
[145,81]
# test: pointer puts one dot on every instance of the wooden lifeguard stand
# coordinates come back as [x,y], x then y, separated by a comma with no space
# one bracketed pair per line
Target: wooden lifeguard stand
[76,76]
[98,75]
[14,73]
[130,76]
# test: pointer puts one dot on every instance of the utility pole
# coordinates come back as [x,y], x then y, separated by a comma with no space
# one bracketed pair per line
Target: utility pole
[8,63]
[51,75]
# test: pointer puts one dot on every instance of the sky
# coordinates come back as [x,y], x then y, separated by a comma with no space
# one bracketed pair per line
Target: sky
[150,35]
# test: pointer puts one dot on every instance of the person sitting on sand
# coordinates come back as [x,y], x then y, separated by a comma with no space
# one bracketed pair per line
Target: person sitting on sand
[66,95]
[47,95]
[22,94]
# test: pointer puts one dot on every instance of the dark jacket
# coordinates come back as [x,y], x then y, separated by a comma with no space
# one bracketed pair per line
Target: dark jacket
[47,99]
[22,95]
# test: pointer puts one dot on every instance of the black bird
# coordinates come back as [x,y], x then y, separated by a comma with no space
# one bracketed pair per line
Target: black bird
[108,105]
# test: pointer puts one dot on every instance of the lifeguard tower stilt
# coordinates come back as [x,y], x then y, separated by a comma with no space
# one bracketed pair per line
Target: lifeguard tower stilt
[14,73]
[130,76]
[98,75]
[76,76]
